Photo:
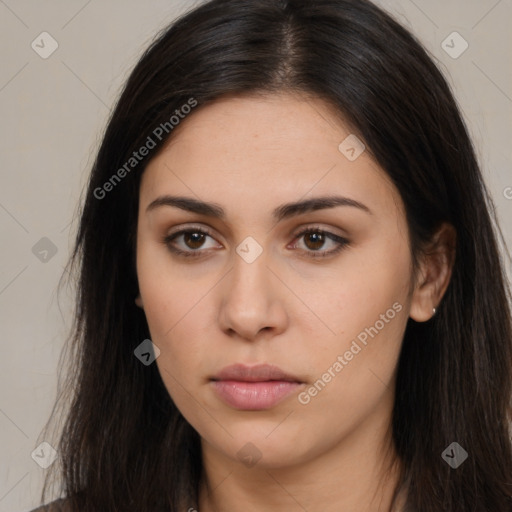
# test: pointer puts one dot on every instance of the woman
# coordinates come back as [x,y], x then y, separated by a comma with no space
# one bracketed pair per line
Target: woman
[290,295]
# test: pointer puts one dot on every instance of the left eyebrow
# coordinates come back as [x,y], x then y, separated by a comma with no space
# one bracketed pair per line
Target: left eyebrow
[318,203]
[280,213]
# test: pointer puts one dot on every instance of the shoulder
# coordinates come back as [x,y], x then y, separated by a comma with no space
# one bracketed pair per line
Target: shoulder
[60,505]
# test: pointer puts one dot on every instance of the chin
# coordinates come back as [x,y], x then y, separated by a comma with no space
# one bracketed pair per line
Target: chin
[264,444]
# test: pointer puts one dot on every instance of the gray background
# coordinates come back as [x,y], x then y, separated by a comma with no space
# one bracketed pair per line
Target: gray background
[53,114]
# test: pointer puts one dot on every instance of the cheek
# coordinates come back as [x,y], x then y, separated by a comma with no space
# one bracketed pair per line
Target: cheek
[169,300]
[174,313]
[365,307]
[363,287]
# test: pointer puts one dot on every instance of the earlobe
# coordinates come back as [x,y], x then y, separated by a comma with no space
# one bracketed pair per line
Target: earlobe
[434,275]
[138,301]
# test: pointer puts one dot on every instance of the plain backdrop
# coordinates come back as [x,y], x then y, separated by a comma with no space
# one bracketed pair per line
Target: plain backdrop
[53,111]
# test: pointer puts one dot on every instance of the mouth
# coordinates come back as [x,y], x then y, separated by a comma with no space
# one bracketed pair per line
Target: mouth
[254,388]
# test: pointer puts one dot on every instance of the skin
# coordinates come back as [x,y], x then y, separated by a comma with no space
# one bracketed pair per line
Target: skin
[249,155]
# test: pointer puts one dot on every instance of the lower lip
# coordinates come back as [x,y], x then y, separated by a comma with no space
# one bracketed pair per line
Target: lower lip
[253,396]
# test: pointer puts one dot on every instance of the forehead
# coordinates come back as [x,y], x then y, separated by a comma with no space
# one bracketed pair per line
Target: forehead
[251,151]
[260,127]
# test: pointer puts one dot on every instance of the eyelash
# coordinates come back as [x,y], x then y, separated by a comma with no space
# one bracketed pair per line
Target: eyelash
[342,242]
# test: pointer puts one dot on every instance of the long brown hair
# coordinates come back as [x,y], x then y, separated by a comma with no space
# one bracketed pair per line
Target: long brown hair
[124,445]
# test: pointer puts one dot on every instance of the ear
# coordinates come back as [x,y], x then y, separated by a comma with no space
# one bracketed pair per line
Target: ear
[138,301]
[434,273]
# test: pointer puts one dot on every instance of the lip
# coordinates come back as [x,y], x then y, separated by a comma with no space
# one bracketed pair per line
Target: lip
[254,387]
[257,373]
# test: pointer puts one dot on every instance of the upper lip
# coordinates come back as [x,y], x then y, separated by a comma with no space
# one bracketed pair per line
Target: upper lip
[257,373]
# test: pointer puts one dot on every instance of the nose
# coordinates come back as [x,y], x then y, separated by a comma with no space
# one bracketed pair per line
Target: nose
[252,301]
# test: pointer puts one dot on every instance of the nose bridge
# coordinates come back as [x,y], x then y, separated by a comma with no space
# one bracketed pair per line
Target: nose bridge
[249,284]
[249,266]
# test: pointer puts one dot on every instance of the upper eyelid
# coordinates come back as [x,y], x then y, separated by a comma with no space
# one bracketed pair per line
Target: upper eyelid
[188,229]
[295,232]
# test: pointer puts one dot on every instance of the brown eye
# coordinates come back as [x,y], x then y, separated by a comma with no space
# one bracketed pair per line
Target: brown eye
[314,240]
[317,243]
[192,242]
[193,239]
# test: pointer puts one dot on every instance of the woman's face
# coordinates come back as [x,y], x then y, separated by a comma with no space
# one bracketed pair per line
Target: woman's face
[328,308]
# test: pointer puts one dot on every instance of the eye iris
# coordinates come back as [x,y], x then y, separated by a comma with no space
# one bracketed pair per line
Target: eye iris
[193,240]
[317,240]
